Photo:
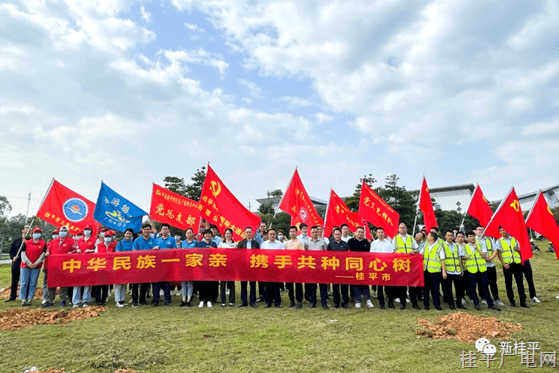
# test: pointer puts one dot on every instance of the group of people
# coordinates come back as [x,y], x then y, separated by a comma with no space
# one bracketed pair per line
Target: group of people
[462,265]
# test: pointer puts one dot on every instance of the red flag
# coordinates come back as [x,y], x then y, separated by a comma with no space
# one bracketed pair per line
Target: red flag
[337,214]
[479,209]
[541,220]
[297,203]
[375,210]
[509,216]
[174,209]
[426,206]
[221,208]
[63,206]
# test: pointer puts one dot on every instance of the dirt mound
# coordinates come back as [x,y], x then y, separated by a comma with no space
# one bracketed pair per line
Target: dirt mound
[466,327]
[5,293]
[16,318]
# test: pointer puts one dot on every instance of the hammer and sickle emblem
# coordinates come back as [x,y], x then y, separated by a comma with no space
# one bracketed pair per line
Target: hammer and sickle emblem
[215,188]
[549,210]
[515,205]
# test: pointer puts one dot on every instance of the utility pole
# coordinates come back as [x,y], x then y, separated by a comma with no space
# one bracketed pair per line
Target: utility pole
[28,202]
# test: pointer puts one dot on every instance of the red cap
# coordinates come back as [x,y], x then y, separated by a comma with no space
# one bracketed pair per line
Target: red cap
[56,231]
[37,229]
[108,233]
[88,227]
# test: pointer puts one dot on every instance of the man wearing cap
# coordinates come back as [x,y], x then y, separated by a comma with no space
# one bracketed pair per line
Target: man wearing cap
[162,242]
[62,245]
[32,255]
[16,262]
[143,242]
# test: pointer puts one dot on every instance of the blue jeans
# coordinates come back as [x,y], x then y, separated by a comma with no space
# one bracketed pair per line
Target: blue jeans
[187,288]
[28,282]
[86,294]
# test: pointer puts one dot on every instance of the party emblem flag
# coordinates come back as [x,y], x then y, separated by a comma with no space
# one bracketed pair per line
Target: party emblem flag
[221,208]
[479,209]
[375,210]
[541,220]
[337,214]
[63,206]
[116,212]
[297,203]
[509,216]
[174,209]
[426,206]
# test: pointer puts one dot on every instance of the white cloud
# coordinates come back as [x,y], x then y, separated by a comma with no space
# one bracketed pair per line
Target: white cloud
[193,27]
[146,16]
[295,101]
[253,89]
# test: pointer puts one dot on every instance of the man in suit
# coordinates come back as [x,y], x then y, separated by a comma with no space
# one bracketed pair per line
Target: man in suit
[248,243]
[16,262]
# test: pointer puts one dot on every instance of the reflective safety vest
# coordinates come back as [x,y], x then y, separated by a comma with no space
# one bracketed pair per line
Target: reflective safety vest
[431,260]
[475,262]
[488,245]
[452,258]
[403,247]
[508,253]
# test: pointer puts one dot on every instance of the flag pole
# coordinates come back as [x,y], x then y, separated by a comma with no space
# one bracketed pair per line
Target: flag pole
[496,211]
[327,208]
[282,197]
[417,210]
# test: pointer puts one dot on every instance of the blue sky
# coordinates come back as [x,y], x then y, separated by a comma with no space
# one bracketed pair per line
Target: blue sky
[129,92]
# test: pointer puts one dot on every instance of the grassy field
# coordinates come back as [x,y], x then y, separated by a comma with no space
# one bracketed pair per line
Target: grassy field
[173,339]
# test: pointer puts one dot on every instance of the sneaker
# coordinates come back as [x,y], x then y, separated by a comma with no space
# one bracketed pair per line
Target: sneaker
[23,303]
[183,303]
[210,304]
[47,304]
[357,305]
[484,302]
[76,305]
[231,304]
[370,304]
[201,304]
[120,304]
[227,291]
[397,300]
[499,303]
[85,305]
[223,304]
[135,305]
[535,299]
[464,302]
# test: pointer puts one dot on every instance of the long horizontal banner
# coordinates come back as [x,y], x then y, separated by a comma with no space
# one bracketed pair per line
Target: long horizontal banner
[177,265]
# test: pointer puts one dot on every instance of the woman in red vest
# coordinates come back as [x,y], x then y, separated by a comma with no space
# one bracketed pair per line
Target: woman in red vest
[32,255]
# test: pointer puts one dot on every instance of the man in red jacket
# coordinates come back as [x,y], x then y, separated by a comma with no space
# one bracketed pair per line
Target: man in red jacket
[64,244]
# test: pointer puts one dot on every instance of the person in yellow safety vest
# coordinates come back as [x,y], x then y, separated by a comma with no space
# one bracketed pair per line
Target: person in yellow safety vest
[454,272]
[405,244]
[509,255]
[488,244]
[475,258]
[433,269]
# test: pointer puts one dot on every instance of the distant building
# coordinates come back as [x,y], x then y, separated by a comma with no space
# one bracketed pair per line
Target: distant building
[455,197]
[551,194]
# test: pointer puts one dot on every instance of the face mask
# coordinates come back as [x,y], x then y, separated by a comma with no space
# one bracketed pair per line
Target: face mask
[36,235]
[108,239]
[79,237]
[102,234]
[54,236]
[63,234]
[177,238]
[87,232]
[280,237]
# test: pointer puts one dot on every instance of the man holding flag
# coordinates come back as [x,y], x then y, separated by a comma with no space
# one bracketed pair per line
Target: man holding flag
[509,255]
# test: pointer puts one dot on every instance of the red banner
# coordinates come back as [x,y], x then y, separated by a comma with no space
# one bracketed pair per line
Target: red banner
[297,203]
[63,206]
[426,206]
[541,220]
[337,214]
[174,209]
[509,216]
[177,265]
[479,208]
[375,210]
[222,208]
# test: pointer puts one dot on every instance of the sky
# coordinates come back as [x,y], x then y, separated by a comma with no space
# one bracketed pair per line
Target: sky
[128,92]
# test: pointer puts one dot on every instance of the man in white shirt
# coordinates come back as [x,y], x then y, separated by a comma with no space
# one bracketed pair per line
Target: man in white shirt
[383,245]
[272,288]
[488,245]
[406,244]
[345,232]
[454,271]
[303,237]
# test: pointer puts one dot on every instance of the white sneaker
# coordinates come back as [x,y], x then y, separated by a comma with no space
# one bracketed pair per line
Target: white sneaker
[210,304]
[85,305]
[109,294]
[484,302]
[227,291]
[161,293]
[464,302]
[499,303]
[397,300]
[357,305]
[119,305]
[201,305]
[76,305]
[535,299]
[370,304]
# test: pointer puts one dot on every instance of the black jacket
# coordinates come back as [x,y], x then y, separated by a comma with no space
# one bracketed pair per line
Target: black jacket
[253,244]
[15,247]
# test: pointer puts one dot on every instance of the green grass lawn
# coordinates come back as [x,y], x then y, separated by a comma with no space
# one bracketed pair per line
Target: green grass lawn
[173,339]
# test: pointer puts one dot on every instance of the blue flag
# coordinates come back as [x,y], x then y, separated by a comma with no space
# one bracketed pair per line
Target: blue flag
[116,212]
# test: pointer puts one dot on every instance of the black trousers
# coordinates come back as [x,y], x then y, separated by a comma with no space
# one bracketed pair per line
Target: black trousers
[432,281]
[15,278]
[480,278]
[101,292]
[298,292]
[223,287]
[527,270]
[492,280]
[209,291]
[336,291]
[447,286]
[244,292]
[272,293]
[141,297]
[323,293]
[261,289]
[515,269]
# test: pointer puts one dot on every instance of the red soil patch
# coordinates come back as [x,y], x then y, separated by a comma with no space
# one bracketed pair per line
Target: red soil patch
[16,318]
